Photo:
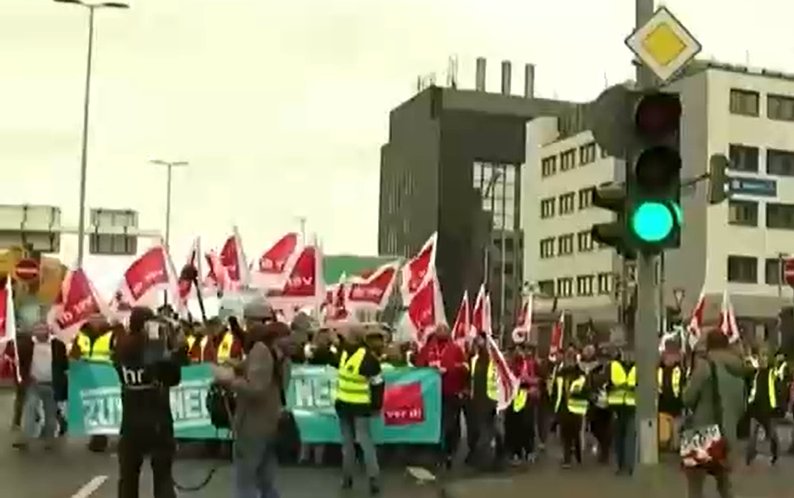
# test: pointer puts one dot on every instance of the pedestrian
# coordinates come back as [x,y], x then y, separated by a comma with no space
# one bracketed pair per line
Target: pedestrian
[489,445]
[670,382]
[622,400]
[147,370]
[599,413]
[442,353]
[359,398]
[520,417]
[258,382]
[42,366]
[715,396]
[570,405]
[764,407]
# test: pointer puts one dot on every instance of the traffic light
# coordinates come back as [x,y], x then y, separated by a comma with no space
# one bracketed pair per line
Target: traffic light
[612,197]
[653,185]
[718,178]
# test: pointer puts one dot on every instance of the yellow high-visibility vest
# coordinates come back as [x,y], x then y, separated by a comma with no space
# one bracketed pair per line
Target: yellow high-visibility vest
[676,380]
[351,386]
[491,389]
[191,339]
[225,347]
[623,385]
[771,387]
[101,348]
[520,401]
[576,403]
[83,344]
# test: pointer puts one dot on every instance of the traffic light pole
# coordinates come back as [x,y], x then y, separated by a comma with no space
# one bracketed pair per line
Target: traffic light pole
[645,344]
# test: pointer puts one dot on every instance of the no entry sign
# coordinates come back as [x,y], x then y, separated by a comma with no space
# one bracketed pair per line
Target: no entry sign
[788,271]
[27,269]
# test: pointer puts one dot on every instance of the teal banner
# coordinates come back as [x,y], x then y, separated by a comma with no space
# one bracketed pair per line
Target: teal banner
[95,401]
[411,406]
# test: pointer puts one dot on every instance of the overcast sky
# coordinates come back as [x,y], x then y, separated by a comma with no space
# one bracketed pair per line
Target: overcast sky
[281,106]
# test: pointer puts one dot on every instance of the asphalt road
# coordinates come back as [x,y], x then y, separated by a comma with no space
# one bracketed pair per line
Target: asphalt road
[72,470]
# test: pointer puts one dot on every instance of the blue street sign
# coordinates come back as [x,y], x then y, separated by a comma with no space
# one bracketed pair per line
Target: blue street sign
[744,185]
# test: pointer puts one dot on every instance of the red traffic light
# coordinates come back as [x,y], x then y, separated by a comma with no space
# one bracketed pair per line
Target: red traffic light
[657,169]
[657,115]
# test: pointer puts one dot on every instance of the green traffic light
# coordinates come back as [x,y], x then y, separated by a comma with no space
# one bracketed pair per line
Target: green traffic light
[653,221]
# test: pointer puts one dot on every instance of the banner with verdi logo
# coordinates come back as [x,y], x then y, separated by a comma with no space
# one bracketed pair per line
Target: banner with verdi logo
[411,408]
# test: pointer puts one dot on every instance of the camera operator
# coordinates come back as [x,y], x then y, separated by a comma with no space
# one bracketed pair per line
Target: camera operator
[147,369]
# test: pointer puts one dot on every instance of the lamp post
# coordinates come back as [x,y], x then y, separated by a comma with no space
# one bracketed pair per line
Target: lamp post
[84,155]
[170,165]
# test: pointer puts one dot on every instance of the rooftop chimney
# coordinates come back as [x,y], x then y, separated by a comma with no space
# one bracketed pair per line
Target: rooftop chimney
[479,80]
[529,81]
[506,77]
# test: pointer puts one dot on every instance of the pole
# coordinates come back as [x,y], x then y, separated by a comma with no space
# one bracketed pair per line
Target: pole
[503,267]
[168,209]
[84,155]
[662,308]
[645,323]
[302,221]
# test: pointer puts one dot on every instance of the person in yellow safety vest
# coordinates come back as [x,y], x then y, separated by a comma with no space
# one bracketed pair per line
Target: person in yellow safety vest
[670,381]
[359,399]
[763,407]
[94,342]
[621,397]
[570,399]
[484,394]
[227,347]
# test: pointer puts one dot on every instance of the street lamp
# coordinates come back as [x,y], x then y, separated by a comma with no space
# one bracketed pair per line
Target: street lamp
[84,156]
[171,165]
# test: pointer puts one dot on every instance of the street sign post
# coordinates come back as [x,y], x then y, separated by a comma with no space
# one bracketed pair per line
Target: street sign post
[663,44]
[788,271]
[27,270]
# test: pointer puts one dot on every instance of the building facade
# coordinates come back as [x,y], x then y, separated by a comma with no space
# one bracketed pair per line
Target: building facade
[735,246]
[453,166]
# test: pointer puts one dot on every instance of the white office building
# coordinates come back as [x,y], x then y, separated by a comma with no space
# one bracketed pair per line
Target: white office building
[744,113]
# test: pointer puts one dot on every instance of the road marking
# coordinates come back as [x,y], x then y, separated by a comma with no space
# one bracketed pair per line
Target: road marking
[89,487]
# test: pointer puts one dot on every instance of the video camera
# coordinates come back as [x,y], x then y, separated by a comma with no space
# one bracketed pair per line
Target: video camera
[160,334]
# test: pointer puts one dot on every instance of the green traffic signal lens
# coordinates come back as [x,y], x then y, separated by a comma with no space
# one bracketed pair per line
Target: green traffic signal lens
[652,221]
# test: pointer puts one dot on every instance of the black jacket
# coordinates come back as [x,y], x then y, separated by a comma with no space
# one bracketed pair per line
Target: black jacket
[145,391]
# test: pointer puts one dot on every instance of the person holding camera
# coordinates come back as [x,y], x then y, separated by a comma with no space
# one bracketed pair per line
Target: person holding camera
[147,370]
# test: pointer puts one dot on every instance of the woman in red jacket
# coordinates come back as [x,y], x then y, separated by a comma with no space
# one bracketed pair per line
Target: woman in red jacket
[441,352]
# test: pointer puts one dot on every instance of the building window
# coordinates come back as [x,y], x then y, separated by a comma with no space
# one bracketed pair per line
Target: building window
[772,271]
[567,203]
[744,102]
[780,108]
[107,244]
[604,154]
[547,208]
[587,153]
[565,244]
[743,213]
[743,269]
[565,287]
[546,287]
[548,166]
[584,285]
[780,162]
[585,241]
[567,160]
[743,158]
[780,216]
[604,283]
[586,197]
[547,248]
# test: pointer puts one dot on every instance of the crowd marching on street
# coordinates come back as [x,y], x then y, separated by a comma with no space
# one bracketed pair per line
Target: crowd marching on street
[505,402]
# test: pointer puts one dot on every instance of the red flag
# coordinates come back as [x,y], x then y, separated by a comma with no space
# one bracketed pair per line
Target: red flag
[524,321]
[305,286]
[423,311]
[418,269]
[275,265]
[728,324]
[557,337]
[232,258]
[192,268]
[373,291]
[146,275]
[481,314]
[216,279]
[696,321]
[8,329]
[461,330]
[76,302]
[335,305]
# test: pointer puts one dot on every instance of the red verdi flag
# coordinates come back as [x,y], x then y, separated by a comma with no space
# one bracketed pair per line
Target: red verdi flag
[275,265]
[425,310]
[76,302]
[419,269]
[461,330]
[144,278]
[374,290]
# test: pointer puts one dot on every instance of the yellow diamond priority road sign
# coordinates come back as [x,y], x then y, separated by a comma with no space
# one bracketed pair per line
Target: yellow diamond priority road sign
[663,44]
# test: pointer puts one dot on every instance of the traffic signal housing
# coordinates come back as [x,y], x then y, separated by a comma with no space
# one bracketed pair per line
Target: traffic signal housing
[718,178]
[612,197]
[653,183]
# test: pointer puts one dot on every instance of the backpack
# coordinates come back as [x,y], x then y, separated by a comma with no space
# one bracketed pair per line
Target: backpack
[221,404]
